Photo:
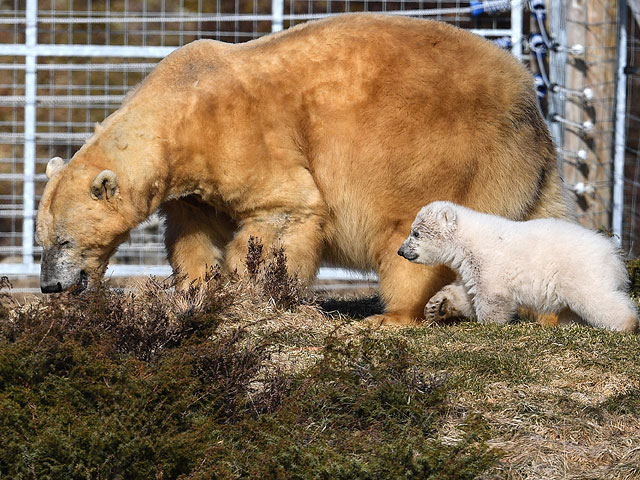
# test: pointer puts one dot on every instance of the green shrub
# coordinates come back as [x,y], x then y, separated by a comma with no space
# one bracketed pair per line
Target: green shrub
[167,384]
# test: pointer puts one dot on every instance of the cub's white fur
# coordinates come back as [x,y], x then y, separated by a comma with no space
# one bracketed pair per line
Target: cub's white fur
[546,264]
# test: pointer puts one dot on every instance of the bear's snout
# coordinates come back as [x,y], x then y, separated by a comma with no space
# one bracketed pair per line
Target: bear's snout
[55,287]
[409,255]
[59,272]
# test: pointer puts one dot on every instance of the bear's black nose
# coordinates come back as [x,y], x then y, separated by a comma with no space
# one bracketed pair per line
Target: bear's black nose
[407,255]
[51,288]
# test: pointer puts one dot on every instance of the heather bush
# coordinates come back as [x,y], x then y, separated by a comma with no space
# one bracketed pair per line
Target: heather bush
[252,378]
[153,382]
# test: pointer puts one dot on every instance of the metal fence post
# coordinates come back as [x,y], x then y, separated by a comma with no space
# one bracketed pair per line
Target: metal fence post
[277,12]
[557,65]
[620,140]
[29,166]
[516,28]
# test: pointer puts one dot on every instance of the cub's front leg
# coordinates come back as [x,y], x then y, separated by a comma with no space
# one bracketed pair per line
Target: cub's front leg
[452,302]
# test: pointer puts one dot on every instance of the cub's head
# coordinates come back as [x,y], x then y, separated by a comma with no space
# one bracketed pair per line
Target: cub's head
[79,225]
[431,234]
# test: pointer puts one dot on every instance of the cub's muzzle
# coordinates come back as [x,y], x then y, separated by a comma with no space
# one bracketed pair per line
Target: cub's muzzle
[406,253]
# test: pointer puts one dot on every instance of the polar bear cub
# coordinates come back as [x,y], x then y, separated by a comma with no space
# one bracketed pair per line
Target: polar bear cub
[546,265]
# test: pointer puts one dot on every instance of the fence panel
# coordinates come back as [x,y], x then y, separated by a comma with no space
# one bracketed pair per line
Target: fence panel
[65,65]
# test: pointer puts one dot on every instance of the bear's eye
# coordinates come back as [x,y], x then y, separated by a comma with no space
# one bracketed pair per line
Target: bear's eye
[415,234]
[64,243]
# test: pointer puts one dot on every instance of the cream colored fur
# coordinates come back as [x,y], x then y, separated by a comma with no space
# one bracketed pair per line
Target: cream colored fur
[326,139]
[547,265]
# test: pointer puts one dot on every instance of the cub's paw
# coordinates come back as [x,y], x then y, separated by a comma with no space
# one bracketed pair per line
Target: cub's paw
[449,304]
[629,325]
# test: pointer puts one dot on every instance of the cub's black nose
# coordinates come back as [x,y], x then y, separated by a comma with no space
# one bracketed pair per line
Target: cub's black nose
[407,255]
[51,288]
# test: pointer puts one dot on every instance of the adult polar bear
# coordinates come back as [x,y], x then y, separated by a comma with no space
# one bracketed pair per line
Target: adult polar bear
[326,138]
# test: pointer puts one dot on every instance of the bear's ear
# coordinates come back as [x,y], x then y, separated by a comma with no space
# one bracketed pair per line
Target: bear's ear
[105,185]
[54,166]
[447,215]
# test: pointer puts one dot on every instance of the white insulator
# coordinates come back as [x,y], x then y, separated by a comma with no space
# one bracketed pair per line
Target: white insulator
[582,188]
[585,126]
[587,93]
[579,154]
[576,49]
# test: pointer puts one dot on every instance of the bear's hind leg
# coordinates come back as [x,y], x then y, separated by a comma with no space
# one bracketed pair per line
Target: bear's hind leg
[611,310]
[406,287]
[195,238]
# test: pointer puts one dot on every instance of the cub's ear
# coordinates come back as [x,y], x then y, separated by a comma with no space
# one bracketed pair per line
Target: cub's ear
[104,186]
[447,215]
[54,166]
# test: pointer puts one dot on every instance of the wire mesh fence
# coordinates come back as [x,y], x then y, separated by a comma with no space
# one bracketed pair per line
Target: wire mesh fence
[65,65]
[580,103]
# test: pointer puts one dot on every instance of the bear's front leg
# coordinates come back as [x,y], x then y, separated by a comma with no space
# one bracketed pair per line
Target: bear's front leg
[494,308]
[300,235]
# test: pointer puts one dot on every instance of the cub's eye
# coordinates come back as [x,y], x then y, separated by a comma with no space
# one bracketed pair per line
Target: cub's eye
[65,243]
[415,234]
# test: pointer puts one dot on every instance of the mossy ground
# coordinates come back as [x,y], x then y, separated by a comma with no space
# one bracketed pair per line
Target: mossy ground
[227,382]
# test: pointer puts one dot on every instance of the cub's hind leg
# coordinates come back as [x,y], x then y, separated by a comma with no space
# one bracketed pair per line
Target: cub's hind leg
[613,310]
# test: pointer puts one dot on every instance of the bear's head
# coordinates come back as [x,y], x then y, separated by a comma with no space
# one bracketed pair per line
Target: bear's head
[431,234]
[80,223]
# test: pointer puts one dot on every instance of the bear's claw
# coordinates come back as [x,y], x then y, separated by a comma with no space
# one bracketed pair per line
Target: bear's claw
[448,304]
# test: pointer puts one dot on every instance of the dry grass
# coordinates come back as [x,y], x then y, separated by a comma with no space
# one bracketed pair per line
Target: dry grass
[561,402]
[528,402]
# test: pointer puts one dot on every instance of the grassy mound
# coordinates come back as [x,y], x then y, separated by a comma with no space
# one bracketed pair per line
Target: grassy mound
[223,381]
[250,379]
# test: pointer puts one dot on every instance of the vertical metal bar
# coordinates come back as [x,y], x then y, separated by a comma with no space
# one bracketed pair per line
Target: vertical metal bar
[277,12]
[516,28]
[557,66]
[620,137]
[29,163]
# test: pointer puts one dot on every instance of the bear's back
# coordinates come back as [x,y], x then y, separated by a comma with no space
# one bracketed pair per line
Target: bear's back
[429,50]
[427,41]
